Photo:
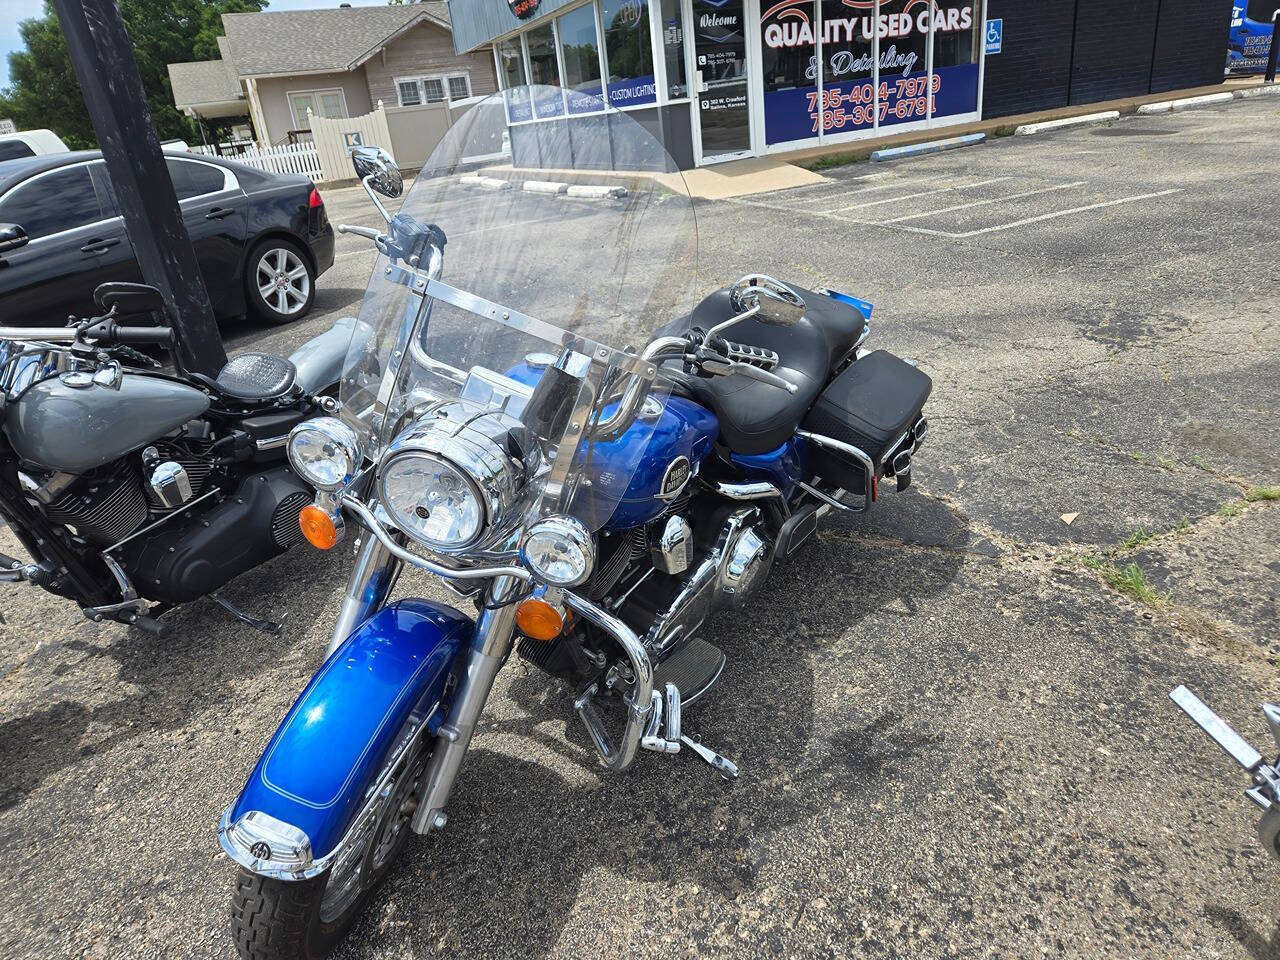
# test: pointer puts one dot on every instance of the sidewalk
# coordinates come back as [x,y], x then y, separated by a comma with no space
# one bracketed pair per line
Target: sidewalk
[741,178]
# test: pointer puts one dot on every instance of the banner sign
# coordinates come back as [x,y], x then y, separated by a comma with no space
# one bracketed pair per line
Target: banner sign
[850,100]
[1249,43]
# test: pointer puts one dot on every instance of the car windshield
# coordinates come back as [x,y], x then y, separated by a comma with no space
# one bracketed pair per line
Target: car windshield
[565,245]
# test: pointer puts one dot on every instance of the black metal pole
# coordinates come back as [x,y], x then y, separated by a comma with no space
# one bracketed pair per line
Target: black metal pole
[1274,49]
[103,59]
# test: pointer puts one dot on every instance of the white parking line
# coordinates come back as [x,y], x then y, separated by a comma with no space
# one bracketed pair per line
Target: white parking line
[983,203]
[1067,213]
[916,196]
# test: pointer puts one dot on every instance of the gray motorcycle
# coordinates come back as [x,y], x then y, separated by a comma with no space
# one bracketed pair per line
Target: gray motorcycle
[134,489]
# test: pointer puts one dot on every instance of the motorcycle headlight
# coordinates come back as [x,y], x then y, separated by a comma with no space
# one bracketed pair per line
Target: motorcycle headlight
[451,479]
[432,500]
[324,452]
[559,551]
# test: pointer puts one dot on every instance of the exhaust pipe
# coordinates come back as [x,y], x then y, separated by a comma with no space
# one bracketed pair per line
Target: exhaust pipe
[918,432]
[902,463]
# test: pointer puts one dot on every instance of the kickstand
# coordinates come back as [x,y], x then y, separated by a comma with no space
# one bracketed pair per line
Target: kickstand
[264,626]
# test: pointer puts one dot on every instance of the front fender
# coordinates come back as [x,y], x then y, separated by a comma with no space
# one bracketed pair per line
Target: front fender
[319,361]
[376,689]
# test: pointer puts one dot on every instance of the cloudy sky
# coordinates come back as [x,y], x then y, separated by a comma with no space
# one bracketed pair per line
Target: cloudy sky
[12,12]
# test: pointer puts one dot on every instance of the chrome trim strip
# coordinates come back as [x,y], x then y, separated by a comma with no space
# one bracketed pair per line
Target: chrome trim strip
[272,443]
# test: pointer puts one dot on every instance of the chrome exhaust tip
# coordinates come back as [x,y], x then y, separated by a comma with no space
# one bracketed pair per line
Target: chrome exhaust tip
[901,463]
[919,431]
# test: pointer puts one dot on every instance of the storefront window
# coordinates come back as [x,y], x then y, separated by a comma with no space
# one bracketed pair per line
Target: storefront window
[628,52]
[673,48]
[848,67]
[955,56]
[581,51]
[511,67]
[904,70]
[789,62]
[543,70]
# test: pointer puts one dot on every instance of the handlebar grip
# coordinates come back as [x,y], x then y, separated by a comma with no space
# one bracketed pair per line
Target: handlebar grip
[755,356]
[161,335]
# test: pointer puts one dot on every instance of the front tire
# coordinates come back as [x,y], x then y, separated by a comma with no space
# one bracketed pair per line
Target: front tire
[279,283]
[273,919]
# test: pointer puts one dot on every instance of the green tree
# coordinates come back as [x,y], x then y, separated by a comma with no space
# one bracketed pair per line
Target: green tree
[43,90]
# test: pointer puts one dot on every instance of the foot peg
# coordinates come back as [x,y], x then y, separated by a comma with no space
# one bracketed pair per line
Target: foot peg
[728,769]
[667,704]
[263,626]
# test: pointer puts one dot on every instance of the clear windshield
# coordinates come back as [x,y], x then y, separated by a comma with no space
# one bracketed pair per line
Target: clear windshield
[566,241]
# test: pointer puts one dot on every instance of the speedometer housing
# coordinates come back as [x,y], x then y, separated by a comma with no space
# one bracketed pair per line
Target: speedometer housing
[471,466]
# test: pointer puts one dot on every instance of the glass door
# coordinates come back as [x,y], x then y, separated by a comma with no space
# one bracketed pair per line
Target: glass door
[720,65]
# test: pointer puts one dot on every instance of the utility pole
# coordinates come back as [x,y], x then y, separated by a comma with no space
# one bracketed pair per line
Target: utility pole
[103,60]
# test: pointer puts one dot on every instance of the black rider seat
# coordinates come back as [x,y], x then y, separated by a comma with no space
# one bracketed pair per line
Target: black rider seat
[256,376]
[758,417]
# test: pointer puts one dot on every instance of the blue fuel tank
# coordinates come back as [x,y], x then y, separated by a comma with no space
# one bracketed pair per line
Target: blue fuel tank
[655,459]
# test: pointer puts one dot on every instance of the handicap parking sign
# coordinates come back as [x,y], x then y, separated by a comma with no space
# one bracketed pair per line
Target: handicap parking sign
[995,36]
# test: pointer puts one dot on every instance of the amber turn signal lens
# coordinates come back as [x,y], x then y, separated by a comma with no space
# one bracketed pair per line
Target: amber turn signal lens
[538,619]
[317,526]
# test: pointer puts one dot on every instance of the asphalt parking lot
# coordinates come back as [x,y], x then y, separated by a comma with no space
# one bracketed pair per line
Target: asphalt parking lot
[951,718]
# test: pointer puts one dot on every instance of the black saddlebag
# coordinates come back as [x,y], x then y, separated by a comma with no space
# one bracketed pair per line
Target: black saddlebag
[874,405]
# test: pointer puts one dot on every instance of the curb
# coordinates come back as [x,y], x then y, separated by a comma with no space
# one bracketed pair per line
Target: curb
[1028,129]
[545,186]
[932,146]
[1167,106]
[488,183]
[1263,91]
[586,192]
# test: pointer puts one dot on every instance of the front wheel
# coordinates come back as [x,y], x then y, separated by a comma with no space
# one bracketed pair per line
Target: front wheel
[274,919]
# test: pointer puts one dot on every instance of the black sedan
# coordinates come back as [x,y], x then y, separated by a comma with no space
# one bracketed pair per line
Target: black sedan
[261,238]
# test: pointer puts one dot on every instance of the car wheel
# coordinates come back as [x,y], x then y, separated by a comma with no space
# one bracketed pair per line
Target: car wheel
[280,285]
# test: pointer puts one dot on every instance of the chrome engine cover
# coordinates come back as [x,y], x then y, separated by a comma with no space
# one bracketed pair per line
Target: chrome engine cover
[746,561]
[726,575]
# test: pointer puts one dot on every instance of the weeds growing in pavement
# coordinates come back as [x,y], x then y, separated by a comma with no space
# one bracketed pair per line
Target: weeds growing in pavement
[1258,494]
[1129,580]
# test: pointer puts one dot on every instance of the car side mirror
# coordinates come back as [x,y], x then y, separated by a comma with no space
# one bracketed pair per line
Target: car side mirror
[772,300]
[376,167]
[12,237]
[128,299]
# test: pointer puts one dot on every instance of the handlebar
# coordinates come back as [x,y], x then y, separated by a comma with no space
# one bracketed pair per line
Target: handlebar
[160,335]
[760,357]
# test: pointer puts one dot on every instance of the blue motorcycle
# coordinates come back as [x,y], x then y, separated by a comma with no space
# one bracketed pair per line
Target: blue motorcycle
[593,505]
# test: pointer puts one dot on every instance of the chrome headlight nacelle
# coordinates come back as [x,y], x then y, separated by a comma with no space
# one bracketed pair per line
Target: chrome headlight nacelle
[453,477]
[325,452]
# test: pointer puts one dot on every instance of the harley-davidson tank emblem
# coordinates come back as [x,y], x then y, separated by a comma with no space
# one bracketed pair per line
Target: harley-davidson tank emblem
[677,475]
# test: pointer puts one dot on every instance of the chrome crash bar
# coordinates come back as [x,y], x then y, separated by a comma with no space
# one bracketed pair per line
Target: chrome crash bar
[640,700]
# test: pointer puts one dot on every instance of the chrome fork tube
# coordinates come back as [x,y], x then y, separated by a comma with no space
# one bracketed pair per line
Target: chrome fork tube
[372,579]
[490,646]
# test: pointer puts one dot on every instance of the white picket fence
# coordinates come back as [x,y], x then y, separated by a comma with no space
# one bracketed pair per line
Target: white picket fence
[286,158]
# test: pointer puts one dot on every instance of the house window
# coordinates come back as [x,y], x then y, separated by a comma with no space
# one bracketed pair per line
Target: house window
[321,103]
[410,94]
[413,91]
[459,87]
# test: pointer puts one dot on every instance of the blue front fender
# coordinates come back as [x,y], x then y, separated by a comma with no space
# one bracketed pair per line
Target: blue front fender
[315,775]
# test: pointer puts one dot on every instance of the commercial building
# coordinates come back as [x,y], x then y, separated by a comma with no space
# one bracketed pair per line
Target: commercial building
[724,79]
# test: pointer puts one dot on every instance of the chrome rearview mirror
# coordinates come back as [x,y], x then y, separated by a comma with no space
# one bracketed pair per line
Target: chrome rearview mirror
[771,300]
[375,167]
